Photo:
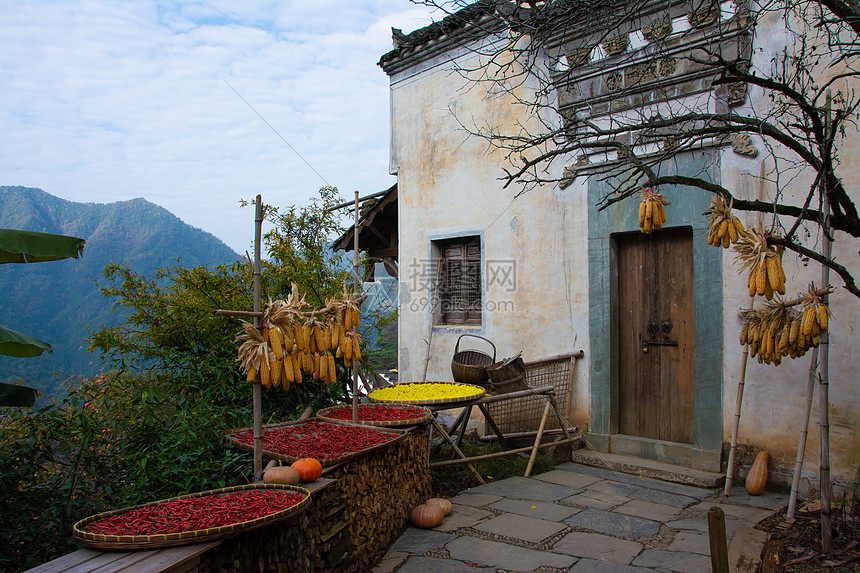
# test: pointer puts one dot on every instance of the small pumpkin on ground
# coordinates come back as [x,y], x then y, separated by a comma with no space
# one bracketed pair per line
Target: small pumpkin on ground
[281,474]
[446,506]
[757,478]
[309,469]
[427,516]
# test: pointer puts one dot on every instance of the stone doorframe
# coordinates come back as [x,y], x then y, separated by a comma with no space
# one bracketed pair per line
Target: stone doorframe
[687,206]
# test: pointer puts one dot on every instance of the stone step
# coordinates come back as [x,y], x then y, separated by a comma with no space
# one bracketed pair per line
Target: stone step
[648,468]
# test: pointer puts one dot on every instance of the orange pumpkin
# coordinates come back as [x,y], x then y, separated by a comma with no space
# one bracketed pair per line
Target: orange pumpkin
[427,516]
[309,469]
[757,478]
[443,504]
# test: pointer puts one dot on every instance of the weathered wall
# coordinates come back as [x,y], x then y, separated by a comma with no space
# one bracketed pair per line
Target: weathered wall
[774,398]
[449,186]
[534,249]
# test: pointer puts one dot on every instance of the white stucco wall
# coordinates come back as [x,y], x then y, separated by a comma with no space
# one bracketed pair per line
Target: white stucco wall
[774,398]
[448,185]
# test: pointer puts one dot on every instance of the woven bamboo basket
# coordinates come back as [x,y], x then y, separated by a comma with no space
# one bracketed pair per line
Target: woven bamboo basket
[470,366]
[325,414]
[156,541]
[508,375]
[230,436]
[478,392]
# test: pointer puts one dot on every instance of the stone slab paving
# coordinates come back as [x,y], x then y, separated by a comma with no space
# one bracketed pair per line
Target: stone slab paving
[568,478]
[661,560]
[523,488]
[649,510]
[504,556]
[597,546]
[541,509]
[592,566]
[596,499]
[437,565]
[464,516]
[474,499]
[615,524]
[580,519]
[520,527]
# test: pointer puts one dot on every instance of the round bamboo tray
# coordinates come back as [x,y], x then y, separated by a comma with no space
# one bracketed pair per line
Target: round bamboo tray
[425,415]
[133,542]
[479,393]
[325,462]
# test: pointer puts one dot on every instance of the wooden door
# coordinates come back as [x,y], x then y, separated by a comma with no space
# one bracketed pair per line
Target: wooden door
[655,334]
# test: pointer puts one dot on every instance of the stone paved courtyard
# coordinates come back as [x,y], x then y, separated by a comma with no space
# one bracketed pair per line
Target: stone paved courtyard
[581,519]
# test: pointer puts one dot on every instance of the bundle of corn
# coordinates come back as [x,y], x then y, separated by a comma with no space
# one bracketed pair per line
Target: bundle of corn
[766,275]
[723,227]
[784,328]
[651,212]
[293,341]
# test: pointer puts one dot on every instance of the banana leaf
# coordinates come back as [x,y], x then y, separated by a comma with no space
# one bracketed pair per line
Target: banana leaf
[31,247]
[17,396]
[20,345]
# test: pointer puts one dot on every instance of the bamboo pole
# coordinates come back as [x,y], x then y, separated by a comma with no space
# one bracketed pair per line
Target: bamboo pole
[730,465]
[538,439]
[823,367]
[256,387]
[804,430]
[570,378]
[355,291]
[457,450]
[504,453]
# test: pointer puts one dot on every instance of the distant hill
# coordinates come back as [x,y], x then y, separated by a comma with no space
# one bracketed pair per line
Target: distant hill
[59,301]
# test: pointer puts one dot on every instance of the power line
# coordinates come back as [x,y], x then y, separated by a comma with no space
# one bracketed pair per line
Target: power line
[276,133]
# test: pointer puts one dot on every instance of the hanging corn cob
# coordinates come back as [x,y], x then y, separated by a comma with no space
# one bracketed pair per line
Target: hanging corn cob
[651,213]
[783,328]
[292,341]
[764,264]
[723,227]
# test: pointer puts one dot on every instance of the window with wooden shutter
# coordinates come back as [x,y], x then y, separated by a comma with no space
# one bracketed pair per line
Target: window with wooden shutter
[460,281]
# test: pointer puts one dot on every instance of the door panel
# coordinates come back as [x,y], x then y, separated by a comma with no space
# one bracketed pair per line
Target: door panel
[655,334]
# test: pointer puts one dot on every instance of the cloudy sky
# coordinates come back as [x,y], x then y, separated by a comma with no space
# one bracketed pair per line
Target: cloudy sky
[108,100]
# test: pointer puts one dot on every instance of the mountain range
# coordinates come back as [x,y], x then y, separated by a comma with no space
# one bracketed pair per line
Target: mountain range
[59,302]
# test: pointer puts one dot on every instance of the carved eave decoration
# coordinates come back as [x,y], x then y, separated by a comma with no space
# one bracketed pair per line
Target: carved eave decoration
[658,55]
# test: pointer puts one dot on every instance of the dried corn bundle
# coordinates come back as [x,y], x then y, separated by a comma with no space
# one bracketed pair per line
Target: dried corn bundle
[764,264]
[783,328]
[652,215]
[724,228]
[293,341]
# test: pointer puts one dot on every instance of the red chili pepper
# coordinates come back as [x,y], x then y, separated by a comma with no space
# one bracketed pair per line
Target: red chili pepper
[196,513]
[377,413]
[318,440]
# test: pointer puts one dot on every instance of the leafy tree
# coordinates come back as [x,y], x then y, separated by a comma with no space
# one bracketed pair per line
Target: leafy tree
[154,426]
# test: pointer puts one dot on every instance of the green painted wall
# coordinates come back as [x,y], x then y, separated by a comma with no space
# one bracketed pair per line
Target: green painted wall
[687,206]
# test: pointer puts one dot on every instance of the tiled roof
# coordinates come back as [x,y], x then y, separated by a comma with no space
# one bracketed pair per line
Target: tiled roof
[450,25]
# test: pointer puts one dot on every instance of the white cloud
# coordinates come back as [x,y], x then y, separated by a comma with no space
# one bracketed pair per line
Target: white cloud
[104,101]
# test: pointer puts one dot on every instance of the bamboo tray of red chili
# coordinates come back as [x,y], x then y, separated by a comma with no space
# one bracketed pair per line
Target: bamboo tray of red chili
[194,518]
[378,415]
[330,442]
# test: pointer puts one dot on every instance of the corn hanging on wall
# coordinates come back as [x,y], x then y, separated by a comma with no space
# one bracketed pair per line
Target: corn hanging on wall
[652,215]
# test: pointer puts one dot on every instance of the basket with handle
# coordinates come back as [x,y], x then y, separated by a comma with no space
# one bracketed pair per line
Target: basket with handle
[508,375]
[470,366]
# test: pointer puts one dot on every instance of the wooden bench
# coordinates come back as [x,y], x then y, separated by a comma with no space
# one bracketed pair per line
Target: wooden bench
[169,559]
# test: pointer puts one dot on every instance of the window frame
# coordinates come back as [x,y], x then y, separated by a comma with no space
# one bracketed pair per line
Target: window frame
[469,287]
